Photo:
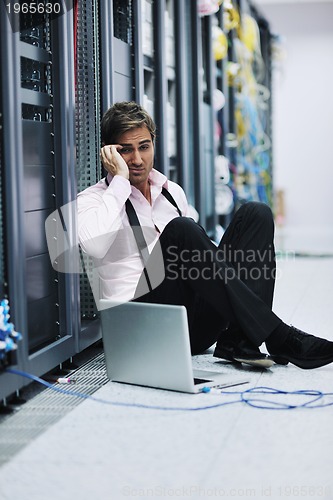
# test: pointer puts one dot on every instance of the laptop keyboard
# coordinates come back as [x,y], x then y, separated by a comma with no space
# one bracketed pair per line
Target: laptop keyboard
[200,380]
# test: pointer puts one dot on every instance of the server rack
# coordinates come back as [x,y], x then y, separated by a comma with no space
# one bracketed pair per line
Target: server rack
[38,172]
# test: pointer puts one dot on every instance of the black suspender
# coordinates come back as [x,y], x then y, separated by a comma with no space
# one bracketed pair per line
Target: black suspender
[139,238]
[137,229]
[171,199]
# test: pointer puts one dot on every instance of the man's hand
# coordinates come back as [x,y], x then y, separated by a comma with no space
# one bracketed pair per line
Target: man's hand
[113,162]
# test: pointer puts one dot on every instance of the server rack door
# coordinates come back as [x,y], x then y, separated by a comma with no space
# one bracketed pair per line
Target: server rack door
[39,156]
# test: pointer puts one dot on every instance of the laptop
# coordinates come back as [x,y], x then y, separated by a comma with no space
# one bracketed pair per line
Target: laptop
[148,345]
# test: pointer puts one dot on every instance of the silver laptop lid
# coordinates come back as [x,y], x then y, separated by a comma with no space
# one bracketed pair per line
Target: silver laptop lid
[147,344]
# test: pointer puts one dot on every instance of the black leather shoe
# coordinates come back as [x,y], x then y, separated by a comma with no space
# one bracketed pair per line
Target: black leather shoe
[304,350]
[242,352]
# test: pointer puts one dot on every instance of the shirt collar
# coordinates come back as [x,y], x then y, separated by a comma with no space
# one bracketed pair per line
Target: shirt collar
[158,179]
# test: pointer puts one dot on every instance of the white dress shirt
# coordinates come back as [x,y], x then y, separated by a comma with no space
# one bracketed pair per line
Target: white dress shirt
[106,235]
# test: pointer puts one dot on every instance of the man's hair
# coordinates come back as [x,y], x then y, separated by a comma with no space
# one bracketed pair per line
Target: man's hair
[124,116]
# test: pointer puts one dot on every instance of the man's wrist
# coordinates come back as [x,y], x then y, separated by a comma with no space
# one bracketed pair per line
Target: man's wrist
[123,174]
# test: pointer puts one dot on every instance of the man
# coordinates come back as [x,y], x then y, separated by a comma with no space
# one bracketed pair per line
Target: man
[131,218]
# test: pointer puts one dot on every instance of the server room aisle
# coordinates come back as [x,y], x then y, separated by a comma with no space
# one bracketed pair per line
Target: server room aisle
[234,451]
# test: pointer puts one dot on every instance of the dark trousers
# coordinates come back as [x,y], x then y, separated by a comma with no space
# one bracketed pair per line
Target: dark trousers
[232,283]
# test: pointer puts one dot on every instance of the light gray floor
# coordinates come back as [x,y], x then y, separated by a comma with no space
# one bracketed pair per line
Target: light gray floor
[104,452]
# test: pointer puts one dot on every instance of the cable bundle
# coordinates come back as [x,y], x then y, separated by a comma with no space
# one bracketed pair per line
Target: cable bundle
[8,336]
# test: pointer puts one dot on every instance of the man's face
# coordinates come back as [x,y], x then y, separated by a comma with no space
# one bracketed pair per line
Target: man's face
[138,152]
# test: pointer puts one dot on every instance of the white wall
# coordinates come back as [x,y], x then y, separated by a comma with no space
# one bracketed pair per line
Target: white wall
[303,116]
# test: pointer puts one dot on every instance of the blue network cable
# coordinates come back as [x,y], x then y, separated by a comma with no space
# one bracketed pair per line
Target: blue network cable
[8,342]
[244,397]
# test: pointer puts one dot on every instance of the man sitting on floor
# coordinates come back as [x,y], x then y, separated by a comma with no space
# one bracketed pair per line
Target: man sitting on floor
[226,289]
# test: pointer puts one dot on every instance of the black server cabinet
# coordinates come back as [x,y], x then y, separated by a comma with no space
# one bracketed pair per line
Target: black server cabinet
[39,177]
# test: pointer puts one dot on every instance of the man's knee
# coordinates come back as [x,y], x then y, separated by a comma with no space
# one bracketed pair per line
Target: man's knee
[183,225]
[258,211]
[182,230]
[181,222]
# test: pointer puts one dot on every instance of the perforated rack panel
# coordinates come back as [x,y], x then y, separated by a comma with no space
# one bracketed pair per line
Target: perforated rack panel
[87,120]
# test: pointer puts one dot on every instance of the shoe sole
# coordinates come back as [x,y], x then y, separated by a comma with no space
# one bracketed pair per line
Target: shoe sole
[260,362]
[257,362]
